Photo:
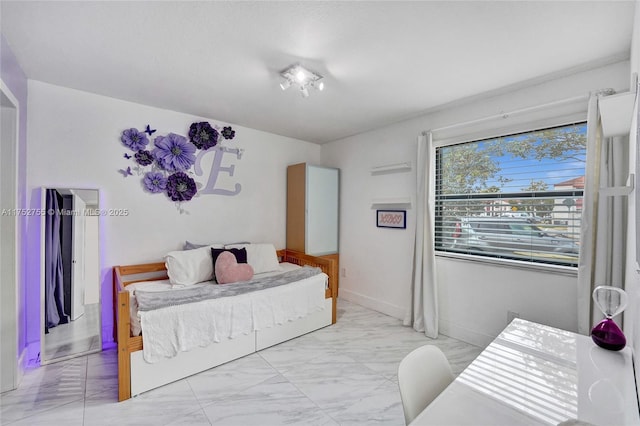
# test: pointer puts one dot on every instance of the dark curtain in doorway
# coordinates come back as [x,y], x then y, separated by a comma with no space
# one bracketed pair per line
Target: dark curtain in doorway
[53,274]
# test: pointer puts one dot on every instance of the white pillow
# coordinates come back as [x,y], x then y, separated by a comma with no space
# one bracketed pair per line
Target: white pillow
[187,267]
[261,257]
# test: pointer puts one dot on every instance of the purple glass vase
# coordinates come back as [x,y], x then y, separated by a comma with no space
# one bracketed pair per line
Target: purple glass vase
[608,335]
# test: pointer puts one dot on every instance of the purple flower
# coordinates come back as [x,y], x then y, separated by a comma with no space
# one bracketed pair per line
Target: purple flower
[202,135]
[174,153]
[134,139]
[181,187]
[228,132]
[155,182]
[144,158]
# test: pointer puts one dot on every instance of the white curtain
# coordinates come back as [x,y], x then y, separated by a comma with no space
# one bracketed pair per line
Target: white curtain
[423,312]
[604,218]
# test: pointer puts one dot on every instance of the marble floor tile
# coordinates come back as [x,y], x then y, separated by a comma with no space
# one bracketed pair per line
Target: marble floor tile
[164,405]
[273,402]
[230,378]
[345,374]
[297,352]
[45,388]
[196,418]
[335,382]
[381,406]
[102,372]
[71,414]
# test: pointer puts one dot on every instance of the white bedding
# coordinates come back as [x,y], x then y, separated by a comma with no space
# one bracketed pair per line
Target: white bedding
[174,329]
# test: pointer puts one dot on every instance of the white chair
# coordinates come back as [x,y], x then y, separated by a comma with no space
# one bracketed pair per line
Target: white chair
[422,375]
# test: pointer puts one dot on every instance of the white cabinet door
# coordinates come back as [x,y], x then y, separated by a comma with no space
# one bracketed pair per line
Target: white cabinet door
[321,230]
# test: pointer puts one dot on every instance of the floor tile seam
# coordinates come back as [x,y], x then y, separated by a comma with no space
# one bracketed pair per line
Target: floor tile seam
[322,410]
[86,386]
[200,403]
[204,405]
[202,410]
[267,361]
[328,413]
[180,411]
[100,392]
[279,370]
[345,364]
[390,381]
[287,374]
[333,351]
[22,393]
[377,375]
[44,411]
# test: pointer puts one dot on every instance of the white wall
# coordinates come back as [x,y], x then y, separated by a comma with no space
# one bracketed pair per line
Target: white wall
[473,300]
[74,142]
[12,75]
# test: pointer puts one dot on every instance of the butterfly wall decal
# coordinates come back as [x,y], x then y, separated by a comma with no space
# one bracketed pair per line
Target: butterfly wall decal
[149,130]
[127,156]
[126,172]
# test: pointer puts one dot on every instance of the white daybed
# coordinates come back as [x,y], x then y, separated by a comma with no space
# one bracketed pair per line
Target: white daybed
[135,375]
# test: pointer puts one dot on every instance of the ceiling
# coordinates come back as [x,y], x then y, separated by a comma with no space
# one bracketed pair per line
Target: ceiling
[382,61]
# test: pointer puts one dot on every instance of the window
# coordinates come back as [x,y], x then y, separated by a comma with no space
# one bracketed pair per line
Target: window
[514,197]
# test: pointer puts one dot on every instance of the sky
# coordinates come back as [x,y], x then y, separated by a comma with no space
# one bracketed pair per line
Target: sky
[551,171]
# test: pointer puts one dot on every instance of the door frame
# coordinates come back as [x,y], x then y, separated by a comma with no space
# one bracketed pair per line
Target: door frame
[15,274]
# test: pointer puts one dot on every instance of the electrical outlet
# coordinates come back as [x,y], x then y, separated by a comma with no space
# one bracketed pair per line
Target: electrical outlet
[343,272]
[511,315]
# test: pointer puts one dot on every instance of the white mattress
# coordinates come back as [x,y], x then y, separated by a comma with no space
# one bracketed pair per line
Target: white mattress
[208,321]
[165,285]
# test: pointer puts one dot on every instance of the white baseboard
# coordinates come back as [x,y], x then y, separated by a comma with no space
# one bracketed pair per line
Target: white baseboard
[22,366]
[371,303]
[108,341]
[466,335]
[445,327]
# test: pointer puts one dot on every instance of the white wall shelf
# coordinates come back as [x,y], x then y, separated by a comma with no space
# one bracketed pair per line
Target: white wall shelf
[391,203]
[391,168]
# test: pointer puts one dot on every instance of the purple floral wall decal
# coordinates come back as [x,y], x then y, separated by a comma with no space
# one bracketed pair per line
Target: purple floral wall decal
[181,187]
[202,135]
[169,168]
[149,130]
[228,132]
[173,153]
[144,158]
[134,139]
[155,182]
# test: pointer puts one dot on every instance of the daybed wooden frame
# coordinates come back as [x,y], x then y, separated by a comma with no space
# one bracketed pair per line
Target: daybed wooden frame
[128,344]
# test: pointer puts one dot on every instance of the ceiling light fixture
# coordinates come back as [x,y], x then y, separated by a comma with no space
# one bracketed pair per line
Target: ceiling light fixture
[302,78]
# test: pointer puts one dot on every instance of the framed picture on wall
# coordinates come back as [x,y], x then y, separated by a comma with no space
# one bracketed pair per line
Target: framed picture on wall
[391,219]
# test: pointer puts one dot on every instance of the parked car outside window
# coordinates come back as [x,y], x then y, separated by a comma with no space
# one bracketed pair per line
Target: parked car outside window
[511,237]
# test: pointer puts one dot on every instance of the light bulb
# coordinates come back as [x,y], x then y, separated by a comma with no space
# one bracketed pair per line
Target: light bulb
[321,86]
[300,76]
[285,85]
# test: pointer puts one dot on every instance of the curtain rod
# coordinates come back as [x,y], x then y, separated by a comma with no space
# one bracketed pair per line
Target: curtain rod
[505,115]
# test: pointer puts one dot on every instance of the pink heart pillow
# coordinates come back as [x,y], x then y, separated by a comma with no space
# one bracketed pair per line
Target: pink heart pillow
[228,270]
